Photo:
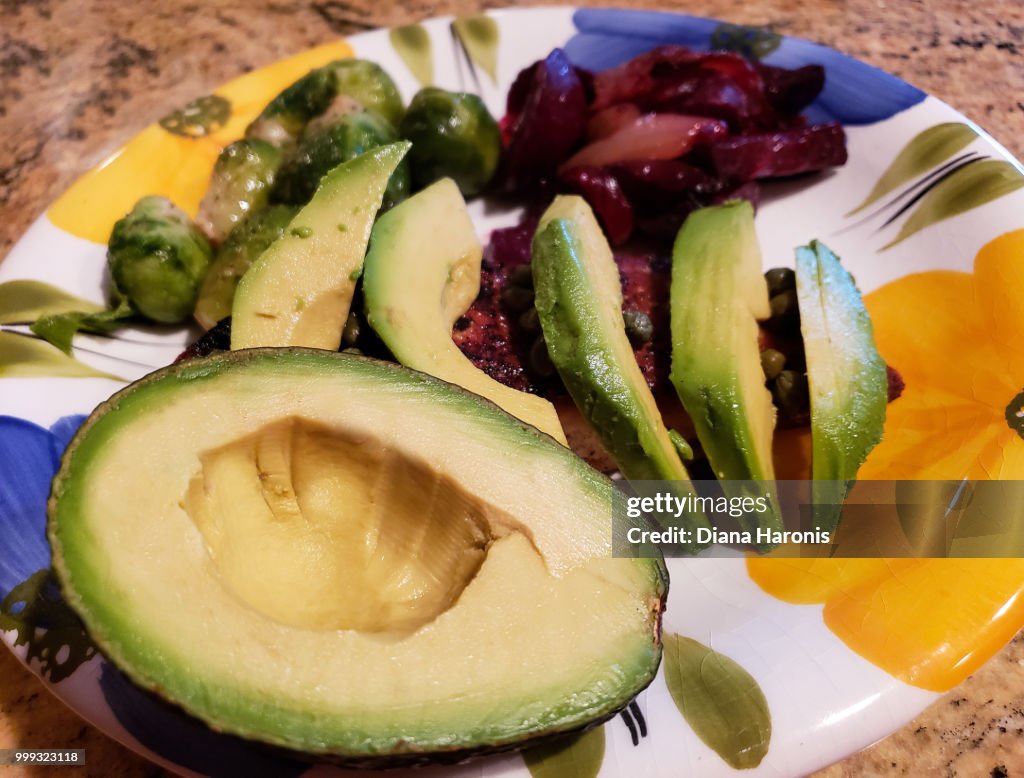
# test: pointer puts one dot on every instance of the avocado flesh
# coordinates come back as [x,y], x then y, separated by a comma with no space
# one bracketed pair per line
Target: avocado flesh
[418,279]
[298,292]
[579,302]
[846,375]
[548,635]
[268,509]
[718,294]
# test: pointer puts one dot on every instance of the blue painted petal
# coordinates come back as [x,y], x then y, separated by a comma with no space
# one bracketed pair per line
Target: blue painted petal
[179,738]
[65,428]
[28,460]
[609,37]
[855,93]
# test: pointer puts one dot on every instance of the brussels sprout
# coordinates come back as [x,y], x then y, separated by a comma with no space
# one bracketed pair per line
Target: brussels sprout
[340,107]
[245,243]
[452,135]
[282,121]
[241,183]
[327,147]
[157,259]
[370,85]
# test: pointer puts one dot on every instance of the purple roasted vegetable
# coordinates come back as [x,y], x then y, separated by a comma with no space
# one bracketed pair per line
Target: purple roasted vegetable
[547,118]
[775,154]
[790,91]
[718,85]
[601,190]
[662,176]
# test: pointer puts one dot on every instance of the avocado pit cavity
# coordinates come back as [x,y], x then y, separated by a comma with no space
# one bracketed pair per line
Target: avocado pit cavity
[322,529]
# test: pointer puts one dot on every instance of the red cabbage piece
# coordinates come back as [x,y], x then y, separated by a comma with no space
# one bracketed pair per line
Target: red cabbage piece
[663,176]
[547,118]
[790,91]
[511,246]
[602,191]
[774,154]
[721,85]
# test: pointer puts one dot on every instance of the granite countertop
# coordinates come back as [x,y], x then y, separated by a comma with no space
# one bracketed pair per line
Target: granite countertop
[80,77]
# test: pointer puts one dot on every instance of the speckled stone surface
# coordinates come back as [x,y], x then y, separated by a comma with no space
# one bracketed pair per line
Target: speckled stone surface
[80,77]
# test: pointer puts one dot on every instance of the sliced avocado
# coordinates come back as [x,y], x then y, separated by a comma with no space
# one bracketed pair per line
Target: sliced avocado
[718,293]
[579,302]
[418,280]
[846,375]
[299,291]
[347,557]
[236,254]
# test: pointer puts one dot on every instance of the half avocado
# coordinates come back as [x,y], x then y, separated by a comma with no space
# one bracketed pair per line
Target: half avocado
[346,557]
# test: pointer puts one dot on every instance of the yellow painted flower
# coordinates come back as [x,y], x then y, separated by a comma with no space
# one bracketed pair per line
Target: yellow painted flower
[171,157]
[955,338]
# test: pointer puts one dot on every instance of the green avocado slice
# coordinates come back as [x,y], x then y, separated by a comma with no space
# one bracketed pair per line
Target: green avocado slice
[418,280]
[235,256]
[579,303]
[718,294]
[298,292]
[846,375]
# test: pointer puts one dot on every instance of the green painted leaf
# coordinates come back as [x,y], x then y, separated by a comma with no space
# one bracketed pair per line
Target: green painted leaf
[46,626]
[412,43]
[199,118]
[751,42]
[24,301]
[720,700]
[60,328]
[22,356]
[579,756]
[924,151]
[969,187]
[479,34]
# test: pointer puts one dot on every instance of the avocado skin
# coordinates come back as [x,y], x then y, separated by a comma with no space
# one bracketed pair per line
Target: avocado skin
[153,391]
[847,376]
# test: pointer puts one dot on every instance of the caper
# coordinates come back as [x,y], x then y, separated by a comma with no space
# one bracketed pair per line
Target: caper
[517,299]
[785,308]
[639,328]
[540,362]
[350,335]
[529,321]
[780,279]
[772,362]
[791,393]
[522,275]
